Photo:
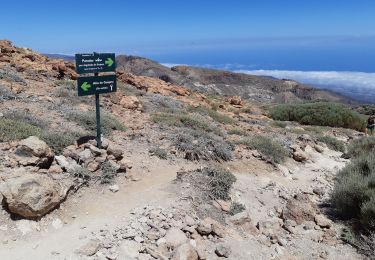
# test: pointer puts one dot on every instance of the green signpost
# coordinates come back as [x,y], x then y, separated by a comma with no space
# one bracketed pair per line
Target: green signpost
[95,85]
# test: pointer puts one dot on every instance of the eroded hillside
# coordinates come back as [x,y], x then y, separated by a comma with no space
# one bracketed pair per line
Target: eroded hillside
[181,175]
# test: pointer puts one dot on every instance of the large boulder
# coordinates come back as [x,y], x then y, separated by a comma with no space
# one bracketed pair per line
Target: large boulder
[298,154]
[300,209]
[175,237]
[185,252]
[32,195]
[35,152]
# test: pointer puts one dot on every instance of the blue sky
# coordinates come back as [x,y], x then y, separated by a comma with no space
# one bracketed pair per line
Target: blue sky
[268,34]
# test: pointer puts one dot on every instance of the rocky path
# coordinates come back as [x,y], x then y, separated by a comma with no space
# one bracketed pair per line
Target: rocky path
[99,214]
[59,234]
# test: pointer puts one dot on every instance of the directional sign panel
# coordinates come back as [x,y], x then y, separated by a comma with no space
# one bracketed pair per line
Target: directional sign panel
[96,85]
[95,62]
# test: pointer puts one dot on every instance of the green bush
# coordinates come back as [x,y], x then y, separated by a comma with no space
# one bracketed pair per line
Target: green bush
[354,191]
[109,172]
[237,131]
[11,130]
[279,124]
[320,113]
[184,120]
[161,153]
[269,148]
[236,208]
[220,182]
[366,109]
[332,142]
[361,146]
[218,117]
[59,140]
[26,117]
[88,121]
[81,174]
[199,145]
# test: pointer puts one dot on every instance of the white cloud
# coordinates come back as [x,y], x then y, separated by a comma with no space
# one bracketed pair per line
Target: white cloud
[170,65]
[360,85]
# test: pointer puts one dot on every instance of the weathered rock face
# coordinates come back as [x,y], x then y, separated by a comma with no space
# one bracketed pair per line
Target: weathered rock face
[35,64]
[300,209]
[32,195]
[152,85]
[131,102]
[298,154]
[35,152]
[235,101]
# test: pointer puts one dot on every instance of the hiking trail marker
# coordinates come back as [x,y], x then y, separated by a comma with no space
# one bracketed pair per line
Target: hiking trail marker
[95,85]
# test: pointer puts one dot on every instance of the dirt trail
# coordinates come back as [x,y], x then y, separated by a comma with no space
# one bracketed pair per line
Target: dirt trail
[94,210]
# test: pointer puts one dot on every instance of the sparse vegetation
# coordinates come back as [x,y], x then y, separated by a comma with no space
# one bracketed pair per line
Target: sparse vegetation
[319,113]
[109,172]
[364,244]
[10,74]
[279,124]
[184,120]
[88,121]
[26,117]
[5,93]
[199,145]
[236,208]
[237,131]
[366,109]
[354,191]
[218,117]
[219,183]
[11,130]
[81,174]
[161,153]
[269,148]
[332,142]
[59,140]
[361,146]
[129,90]
[156,102]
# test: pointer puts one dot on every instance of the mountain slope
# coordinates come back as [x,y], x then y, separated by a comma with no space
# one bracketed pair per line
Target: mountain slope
[217,82]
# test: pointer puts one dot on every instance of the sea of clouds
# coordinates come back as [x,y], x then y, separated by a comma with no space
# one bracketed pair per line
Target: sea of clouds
[357,85]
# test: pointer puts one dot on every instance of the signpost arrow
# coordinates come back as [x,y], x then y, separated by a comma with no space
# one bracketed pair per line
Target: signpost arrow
[109,62]
[96,85]
[95,62]
[85,86]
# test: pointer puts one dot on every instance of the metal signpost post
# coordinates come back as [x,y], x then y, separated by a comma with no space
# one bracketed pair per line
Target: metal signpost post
[95,85]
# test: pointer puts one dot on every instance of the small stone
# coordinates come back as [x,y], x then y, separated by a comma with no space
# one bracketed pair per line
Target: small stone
[93,166]
[55,169]
[57,223]
[175,237]
[323,221]
[223,250]
[139,239]
[189,221]
[89,248]
[185,252]
[114,188]
[85,155]
[319,191]
[204,228]
[224,205]
[117,153]
[319,148]
[130,249]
